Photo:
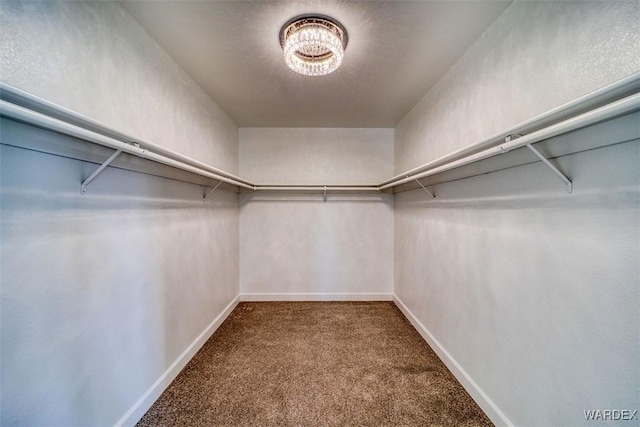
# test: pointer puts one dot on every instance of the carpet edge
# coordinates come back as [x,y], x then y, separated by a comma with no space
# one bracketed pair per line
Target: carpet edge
[477,394]
[137,411]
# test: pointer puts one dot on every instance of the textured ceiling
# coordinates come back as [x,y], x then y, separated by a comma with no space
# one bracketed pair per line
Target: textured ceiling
[397,51]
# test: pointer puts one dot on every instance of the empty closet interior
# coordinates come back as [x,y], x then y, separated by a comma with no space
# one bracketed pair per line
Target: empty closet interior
[476,163]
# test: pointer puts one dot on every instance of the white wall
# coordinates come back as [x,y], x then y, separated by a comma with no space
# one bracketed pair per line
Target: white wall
[103,293]
[75,53]
[532,292]
[536,56]
[316,156]
[301,245]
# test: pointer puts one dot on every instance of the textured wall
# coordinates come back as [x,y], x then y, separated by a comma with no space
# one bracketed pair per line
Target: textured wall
[299,244]
[536,56]
[315,155]
[532,291]
[93,58]
[303,245]
[102,293]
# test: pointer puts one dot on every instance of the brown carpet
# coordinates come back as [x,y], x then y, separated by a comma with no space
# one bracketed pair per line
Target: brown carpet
[315,364]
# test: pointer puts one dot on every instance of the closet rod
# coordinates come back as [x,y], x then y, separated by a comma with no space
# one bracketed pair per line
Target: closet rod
[617,90]
[32,102]
[315,188]
[24,115]
[609,111]
[51,116]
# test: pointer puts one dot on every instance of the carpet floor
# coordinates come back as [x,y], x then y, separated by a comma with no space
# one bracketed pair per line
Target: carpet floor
[315,364]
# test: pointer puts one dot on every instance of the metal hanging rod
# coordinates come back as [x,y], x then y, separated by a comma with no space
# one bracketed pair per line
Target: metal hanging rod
[587,110]
[32,102]
[25,107]
[320,188]
[24,115]
[609,111]
[617,90]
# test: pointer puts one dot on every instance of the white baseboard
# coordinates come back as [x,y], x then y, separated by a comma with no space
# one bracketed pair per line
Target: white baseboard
[316,297]
[143,404]
[486,404]
[135,413]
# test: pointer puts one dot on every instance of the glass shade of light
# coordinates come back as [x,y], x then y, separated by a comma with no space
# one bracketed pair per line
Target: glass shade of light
[313,50]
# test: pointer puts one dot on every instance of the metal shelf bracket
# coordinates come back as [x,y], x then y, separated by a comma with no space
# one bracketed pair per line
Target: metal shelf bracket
[554,169]
[204,198]
[94,175]
[425,189]
[544,160]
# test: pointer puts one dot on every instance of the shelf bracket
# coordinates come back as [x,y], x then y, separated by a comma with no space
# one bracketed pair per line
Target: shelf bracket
[544,160]
[425,189]
[325,193]
[554,169]
[204,198]
[86,182]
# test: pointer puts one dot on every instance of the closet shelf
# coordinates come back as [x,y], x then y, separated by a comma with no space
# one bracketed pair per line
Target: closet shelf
[612,101]
[24,107]
[606,103]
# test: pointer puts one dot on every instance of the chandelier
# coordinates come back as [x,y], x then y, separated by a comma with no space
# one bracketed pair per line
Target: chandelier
[313,44]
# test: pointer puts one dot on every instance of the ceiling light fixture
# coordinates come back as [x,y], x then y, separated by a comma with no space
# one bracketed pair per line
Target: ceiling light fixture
[313,44]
